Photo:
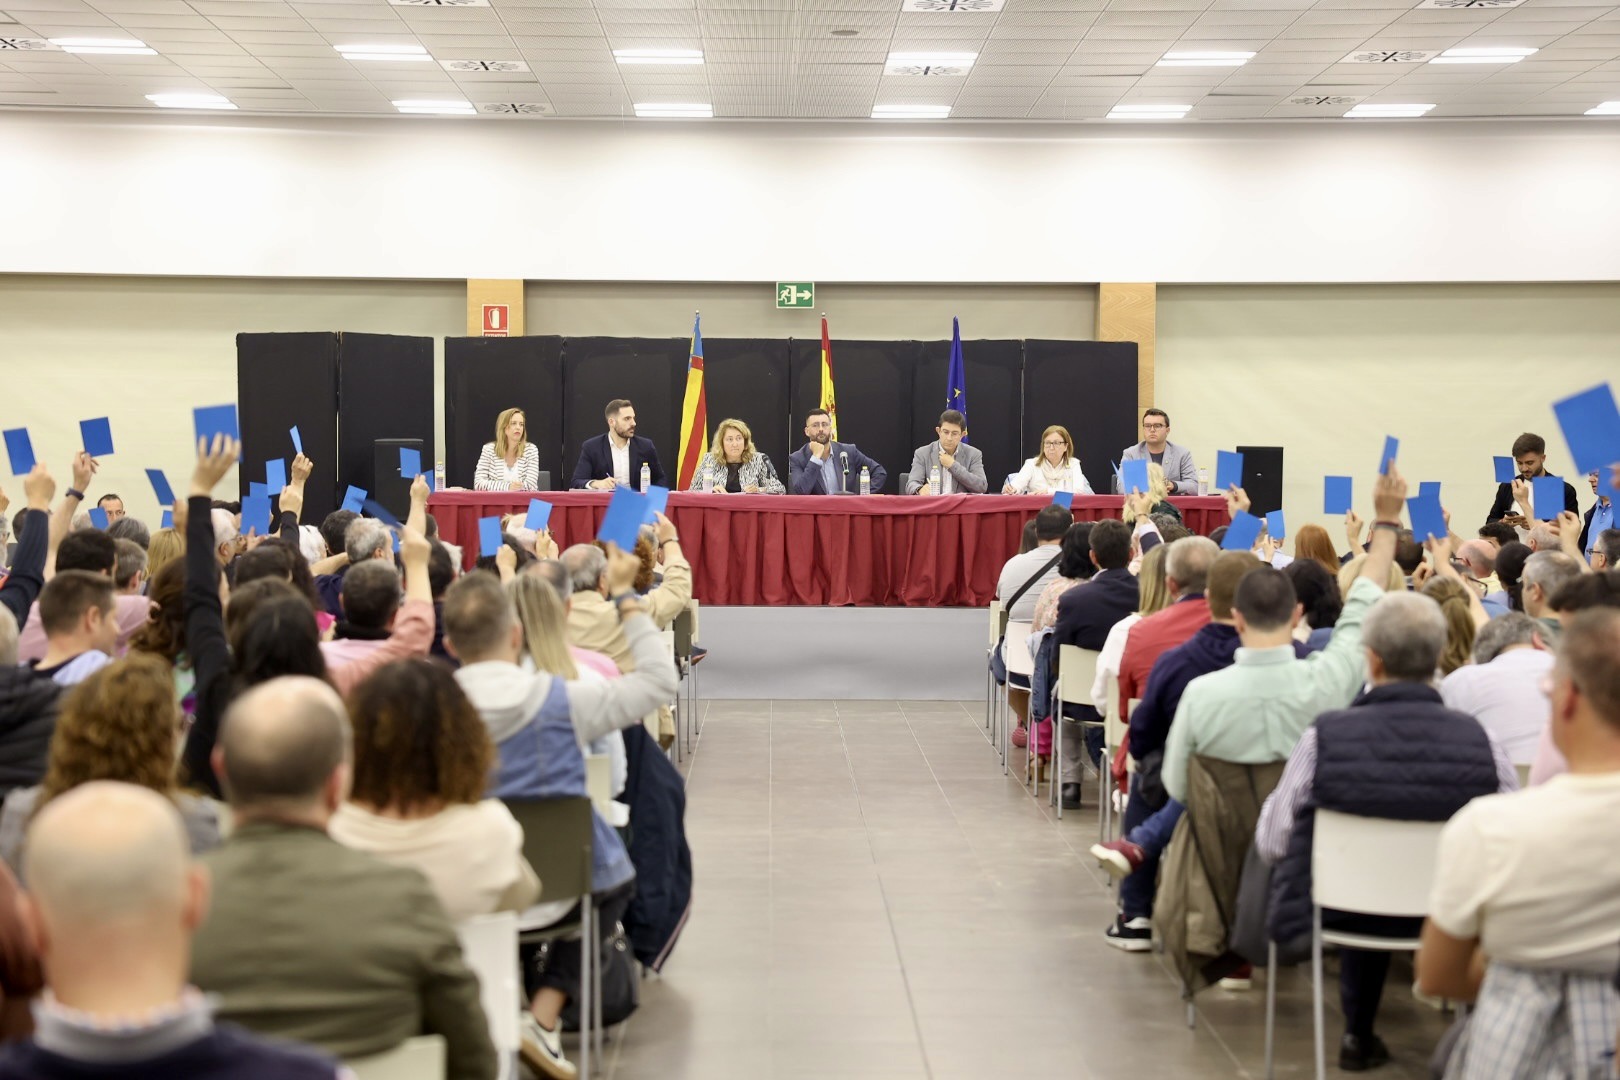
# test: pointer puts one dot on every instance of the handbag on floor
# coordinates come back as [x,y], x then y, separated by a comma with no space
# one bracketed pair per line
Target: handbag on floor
[621,983]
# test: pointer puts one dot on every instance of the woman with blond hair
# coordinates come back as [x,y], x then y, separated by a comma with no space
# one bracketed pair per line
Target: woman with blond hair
[1159,492]
[734,465]
[167,545]
[511,462]
[1053,468]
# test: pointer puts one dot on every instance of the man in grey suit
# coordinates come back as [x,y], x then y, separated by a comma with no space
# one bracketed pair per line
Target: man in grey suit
[961,467]
[1177,462]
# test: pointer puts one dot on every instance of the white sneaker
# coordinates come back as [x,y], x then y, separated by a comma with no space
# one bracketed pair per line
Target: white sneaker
[542,1050]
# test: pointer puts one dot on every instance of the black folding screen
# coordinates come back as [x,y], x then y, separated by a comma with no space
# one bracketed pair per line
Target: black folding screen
[1089,387]
[385,391]
[873,381]
[485,376]
[747,379]
[650,372]
[994,374]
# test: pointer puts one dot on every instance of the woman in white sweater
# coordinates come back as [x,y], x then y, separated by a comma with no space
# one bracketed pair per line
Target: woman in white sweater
[1055,468]
[421,763]
[511,462]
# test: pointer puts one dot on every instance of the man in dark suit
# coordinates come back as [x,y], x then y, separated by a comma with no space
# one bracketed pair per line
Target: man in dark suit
[616,456]
[1530,459]
[1084,618]
[824,467]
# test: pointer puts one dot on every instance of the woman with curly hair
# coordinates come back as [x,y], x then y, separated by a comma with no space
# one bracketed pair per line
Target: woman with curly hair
[422,760]
[164,634]
[121,724]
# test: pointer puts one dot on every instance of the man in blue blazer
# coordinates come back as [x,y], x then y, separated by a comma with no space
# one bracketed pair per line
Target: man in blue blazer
[615,457]
[817,468]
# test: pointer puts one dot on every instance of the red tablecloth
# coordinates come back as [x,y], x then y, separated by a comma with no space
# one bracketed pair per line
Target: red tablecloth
[814,550]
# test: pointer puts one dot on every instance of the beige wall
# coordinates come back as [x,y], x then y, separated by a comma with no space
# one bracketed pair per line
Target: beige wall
[1455,372]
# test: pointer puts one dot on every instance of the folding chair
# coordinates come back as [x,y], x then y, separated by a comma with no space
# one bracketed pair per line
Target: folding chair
[557,837]
[1114,728]
[489,945]
[685,630]
[992,693]
[1077,670]
[1371,866]
[1020,675]
[421,1058]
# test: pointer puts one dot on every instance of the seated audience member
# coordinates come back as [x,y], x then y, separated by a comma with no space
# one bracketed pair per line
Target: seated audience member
[226,537]
[735,465]
[1432,759]
[1498,534]
[1502,687]
[277,558]
[81,632]
[121,723]
[28,705]
[1319,600]
[1159,496]
[1351,572]
[1544,572]
[164,635]
[512,560]
[441,574]
[1171,528]
[1036,568]
[1180,474]
[114,902]
[1074,568]
[511,462]
[91,551]
[371,937]
[1543,536]
[1510,560]
[128,528]
[1459,604]
[167,546]
[960,465]
[1522,914]
[1599,518]
[1604,552]
[334,530]
[1585,591]
[1312,542]
[537,722]
[129,569]
[615,457]
[1053,468]
[1168,623]
[421,760]
[113,505]
[1476,562]
[20,977]
[825,467]
[378,626]
[1530,459]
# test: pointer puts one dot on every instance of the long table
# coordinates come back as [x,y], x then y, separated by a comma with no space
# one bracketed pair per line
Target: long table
[816,550]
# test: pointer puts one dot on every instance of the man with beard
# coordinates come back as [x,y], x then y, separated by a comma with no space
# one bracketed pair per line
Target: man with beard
[615,457]
[825,467]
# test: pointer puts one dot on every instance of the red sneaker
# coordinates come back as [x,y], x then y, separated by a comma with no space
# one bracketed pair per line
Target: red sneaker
[1120,858]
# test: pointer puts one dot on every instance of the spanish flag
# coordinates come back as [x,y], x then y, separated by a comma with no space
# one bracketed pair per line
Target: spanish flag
[694,414]
[829,400]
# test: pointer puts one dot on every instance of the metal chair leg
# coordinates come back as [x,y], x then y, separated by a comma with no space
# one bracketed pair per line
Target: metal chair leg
[1316,992]
[587,945]
[1271,1007]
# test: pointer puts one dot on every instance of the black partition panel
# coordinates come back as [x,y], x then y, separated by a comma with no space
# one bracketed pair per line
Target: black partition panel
[746,379]
[651,372]
[873,381]
[1088,387]
[385,391]
[1262,477]
[993,371]
[485,376]
[285,381]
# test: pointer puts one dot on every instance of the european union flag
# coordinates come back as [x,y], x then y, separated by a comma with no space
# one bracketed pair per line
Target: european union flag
[956,383]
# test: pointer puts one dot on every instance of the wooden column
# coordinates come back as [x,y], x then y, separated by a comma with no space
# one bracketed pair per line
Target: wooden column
[1129,312]
[481,291]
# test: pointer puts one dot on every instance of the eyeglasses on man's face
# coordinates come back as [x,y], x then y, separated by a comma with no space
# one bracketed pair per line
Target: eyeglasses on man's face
[1154,426]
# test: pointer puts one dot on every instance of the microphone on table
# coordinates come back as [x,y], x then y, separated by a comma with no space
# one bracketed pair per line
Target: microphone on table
[843,457]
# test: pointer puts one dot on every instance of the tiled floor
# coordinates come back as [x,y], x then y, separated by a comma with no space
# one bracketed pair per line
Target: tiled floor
[874,900]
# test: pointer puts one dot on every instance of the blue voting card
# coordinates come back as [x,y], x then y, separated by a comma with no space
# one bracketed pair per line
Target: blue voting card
[298,440]
[427,478]
[1547,497]
[257,489]
[214,420]
[395,534]
[20,448]
[626,513]
[275,475]
[353,499]
[1392,447]
[1242,533]
[1228,471]
[1064,499]
[380,512]
[1506,471]
[1591,423]
[98,517]
[1428,520]
[97,436]
[539,515]
[410,462]
[1276,526]
[489,536]
[160,487]
[1338,494]
[256,514]
[1133,475]
[657,500]
[167,520]
[1427,488]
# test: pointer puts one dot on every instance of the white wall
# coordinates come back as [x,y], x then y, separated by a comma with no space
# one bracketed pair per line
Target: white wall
[1424,200]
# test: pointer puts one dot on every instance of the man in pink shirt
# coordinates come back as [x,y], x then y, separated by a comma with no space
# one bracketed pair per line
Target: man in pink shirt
[95,551]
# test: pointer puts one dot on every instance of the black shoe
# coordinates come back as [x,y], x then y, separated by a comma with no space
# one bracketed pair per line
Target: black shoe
[1357,1054]
[1071,796]
[1133,936]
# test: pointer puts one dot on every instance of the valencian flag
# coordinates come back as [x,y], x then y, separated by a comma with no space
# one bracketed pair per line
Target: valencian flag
[694,413]
[956,382]
[829,400]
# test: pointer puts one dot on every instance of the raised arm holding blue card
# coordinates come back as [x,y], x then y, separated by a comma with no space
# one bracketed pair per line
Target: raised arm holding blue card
[1530,461]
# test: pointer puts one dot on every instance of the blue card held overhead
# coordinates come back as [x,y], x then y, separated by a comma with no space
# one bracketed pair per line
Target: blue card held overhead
[1228,472]
[626,512]
[539,515]
[1133,475]
[1276,527]
[20,448]
[1428,488]
[160,487]
[275,475]
[1591,423]
[214,420]
[353,499]
[380,512]
[97,436]
[298,440]
[1547,497]
[1392,447]
[657,500]
[1242,533]
[1064,499]
[1428,520]
[1506,471]
[1338,494]
[257,490]
[98,517]
[256,515]
[410,462]
[489,536]
[167,520]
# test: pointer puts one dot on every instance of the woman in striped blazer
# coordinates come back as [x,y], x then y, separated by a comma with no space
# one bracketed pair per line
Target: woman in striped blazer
[511,462]
[735,466]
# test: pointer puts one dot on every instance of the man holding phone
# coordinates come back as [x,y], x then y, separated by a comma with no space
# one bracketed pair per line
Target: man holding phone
[1530,459]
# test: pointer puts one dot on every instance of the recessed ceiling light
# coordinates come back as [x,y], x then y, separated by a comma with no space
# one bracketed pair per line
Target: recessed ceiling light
[658,56]
[1148,112]
[658,111]
[911,112]
[1376,111]
[436,108]
[1607,108]
[1482,56]
[1205,58]
[846,32]
[409,54]
[190,101]
[951,5]
[104,46]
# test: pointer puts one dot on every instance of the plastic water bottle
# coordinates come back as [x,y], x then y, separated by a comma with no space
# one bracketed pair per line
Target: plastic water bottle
[866,480]
[708,477]
[933,481]
[646,478]
[1203,481]
[438,476]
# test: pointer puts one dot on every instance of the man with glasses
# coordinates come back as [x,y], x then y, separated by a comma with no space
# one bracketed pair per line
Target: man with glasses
[1598,519]
[1180,474]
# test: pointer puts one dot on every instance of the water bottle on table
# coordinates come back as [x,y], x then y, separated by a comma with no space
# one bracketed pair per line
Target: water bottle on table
[933,480]
[646,478]
[1203,481]
[866,480]
[708,478]
[438,476]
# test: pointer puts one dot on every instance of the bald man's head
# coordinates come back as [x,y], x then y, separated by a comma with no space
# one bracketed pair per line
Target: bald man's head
[1480,555]
[284,748]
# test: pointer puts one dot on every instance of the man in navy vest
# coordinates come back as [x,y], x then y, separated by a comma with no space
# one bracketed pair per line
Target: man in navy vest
[1396,752]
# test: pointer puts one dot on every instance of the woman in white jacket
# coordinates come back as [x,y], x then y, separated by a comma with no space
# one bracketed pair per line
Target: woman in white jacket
[511,462]
[1055,468]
